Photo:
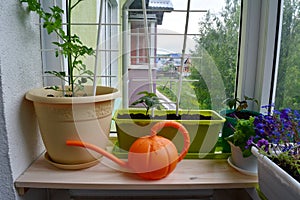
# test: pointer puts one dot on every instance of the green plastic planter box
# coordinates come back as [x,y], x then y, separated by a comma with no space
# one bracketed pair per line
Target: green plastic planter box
[203,133]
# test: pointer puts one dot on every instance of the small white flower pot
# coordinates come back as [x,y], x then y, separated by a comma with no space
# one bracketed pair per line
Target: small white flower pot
[248,163]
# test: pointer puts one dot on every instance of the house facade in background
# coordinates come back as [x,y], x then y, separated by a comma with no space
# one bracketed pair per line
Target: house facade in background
[143,50]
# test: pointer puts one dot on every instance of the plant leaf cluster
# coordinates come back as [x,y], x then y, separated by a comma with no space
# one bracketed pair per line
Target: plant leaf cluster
[285,156]
[238,104]
[70,46]
[148,100]
[243,131]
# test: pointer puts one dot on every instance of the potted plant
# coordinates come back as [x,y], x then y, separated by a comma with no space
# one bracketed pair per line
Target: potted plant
[202,125]
[73,110]
[237,110]
[240,142]
[149,100]
[279,155]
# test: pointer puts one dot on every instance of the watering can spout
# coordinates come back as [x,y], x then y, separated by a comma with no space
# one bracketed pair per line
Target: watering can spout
[97,149]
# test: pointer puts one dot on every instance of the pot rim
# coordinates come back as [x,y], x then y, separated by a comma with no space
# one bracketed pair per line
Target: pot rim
[264,160]
[103,94]
[219,119]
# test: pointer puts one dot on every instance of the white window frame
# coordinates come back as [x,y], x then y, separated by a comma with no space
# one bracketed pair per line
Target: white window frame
[259,51]
[109,47]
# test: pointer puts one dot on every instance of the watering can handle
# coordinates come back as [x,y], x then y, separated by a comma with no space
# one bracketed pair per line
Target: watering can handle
[158,126]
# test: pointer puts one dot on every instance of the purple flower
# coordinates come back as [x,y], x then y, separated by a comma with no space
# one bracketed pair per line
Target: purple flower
[297,115]
[262,143]
[284,115]
[249,143]
[279,129]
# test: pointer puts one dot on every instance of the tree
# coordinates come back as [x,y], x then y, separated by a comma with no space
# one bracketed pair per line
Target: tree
[216,46]
[288,83]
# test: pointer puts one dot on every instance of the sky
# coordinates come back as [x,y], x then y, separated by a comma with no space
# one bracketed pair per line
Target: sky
[174,22]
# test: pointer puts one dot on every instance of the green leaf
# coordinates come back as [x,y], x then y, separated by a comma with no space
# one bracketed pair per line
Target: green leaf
[83,80]
[70,47]
[56,88]
[149,100]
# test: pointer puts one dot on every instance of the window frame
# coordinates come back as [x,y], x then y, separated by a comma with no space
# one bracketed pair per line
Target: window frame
[126,61]
[258,63]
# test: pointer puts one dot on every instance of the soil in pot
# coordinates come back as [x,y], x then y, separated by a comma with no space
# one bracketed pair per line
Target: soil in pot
[166,117]
[240,115]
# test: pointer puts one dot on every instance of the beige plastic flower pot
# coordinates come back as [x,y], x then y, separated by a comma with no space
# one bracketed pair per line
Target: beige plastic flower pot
[86,118]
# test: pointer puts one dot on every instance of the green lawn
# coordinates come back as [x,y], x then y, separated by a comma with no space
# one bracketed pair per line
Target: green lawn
[169,88]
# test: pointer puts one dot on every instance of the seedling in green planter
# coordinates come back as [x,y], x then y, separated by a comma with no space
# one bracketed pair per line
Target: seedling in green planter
[70,46]
[148,100]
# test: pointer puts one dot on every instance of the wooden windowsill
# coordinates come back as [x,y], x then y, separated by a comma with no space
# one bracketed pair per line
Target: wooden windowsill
[189,174]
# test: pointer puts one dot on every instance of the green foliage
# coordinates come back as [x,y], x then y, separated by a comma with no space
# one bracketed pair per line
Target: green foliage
[219,39]
[236,103]
[170,88]
[70,46]
[201,90]
[288,161]
[168,68]
[244,130]
[167,92]
[217,46]
[287,93]
[149,100]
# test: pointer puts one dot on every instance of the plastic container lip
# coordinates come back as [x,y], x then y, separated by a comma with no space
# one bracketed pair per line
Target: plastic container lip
[103,94]
[218,118]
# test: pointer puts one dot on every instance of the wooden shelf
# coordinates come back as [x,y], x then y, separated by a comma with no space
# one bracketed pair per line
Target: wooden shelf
[189,174]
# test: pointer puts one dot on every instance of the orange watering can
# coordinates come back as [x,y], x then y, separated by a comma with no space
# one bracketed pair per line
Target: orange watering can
[150,157]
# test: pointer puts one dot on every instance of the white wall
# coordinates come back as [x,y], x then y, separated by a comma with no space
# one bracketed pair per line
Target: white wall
[20,69]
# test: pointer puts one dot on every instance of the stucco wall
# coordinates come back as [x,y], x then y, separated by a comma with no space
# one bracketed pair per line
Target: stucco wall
[20,68]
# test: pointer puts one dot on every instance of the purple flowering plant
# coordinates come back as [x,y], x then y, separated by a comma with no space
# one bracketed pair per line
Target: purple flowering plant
[276,135]
[279,133]
[282,128]
[278,130]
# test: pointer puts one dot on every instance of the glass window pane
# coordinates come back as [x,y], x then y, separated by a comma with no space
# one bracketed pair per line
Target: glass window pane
[210,60]
[288,84]
[84,19]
